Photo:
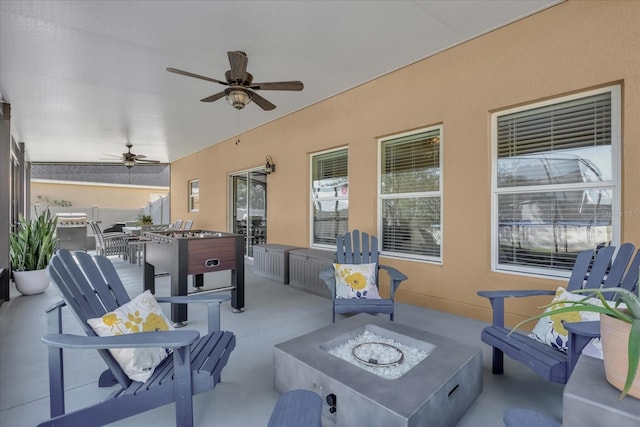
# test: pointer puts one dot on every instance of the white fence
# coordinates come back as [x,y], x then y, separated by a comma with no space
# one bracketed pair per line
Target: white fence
[159,211]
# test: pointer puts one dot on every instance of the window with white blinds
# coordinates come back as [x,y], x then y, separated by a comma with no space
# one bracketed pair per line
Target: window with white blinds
[555,181]
[410,195]
[329,197]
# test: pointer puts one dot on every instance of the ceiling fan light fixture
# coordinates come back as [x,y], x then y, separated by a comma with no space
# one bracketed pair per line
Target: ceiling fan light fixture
[129,163]
[239,98]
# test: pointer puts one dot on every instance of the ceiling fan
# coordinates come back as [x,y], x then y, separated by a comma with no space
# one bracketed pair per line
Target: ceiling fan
[129,159]
[240,90]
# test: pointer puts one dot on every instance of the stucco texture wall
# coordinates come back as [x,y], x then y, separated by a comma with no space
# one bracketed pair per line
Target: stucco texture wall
[85,195]
[568,48]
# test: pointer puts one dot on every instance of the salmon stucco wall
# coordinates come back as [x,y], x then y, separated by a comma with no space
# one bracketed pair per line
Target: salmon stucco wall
[87,195]
[569,48]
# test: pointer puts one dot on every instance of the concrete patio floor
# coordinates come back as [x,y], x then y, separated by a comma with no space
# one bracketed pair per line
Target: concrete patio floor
[245,397]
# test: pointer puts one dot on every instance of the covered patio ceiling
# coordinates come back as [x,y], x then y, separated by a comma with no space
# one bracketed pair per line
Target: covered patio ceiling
[84,78]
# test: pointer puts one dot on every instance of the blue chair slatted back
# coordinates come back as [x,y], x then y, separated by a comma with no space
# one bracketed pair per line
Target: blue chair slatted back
[630,280]
[91,295]
[358,248]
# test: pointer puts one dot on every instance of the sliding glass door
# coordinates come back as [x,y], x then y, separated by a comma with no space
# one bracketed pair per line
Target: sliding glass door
[249,208]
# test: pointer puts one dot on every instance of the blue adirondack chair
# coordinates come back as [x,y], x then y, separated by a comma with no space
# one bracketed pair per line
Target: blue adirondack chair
[588,272]
[360,248]
[91,288]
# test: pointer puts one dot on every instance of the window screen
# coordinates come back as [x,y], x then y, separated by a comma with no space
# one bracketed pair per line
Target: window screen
[554,182]
[329,196]
[410,195]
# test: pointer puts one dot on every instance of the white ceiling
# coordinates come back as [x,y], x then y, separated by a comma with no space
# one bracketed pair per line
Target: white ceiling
[85,77]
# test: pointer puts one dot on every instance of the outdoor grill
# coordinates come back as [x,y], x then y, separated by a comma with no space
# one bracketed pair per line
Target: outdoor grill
[72,231]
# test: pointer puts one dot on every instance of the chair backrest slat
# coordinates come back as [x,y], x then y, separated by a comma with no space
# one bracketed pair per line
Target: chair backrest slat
[113,279]
[357,247]
[366,255]
[630,280]
[619,265]
[79,287]
[110,296]
[76,302]
[600,267]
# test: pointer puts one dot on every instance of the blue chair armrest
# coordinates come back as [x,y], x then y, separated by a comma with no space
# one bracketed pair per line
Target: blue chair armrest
[496,298]
[57,306]
[328,275]
[580,334]
[184,299]
[395,277]
[515,293]
[587,329]
[213,314]
[165,339]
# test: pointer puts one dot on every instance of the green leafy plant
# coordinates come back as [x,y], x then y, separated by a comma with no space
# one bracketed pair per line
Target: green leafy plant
[32,245]
[145,219]
[58,203]
[629,315]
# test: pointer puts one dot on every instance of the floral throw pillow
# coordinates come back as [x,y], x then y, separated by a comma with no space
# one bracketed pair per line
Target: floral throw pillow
[356,281]
[549,330]
[141,314]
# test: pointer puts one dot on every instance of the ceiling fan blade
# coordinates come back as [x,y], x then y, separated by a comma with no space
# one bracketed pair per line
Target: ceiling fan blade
[213,97]
[292,85]
[238,61]
[138,156]
[111,155]
[147,161]
[262,103]
[197,76]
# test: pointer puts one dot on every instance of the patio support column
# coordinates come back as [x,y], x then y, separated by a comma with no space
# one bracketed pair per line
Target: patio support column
[5,197]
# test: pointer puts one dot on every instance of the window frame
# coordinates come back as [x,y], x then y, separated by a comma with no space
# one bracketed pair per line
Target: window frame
[426,194]
[615,183]
[312,200]
[193,197]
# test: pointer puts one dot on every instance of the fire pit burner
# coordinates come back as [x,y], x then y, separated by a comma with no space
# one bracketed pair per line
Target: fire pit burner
[377,354]
[379,351]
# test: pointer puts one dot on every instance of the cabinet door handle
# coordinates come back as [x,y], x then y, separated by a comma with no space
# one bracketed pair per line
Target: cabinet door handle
[212,262]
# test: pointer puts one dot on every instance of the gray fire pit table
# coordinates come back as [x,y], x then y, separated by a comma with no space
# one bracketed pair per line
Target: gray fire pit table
[435,392]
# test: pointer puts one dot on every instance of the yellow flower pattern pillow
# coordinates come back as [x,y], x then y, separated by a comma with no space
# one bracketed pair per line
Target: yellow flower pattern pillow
[356,281]
[141,314]
[549,330]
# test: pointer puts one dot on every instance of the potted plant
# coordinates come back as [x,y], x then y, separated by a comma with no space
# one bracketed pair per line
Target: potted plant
[145,220]
[31,247]
[619,333]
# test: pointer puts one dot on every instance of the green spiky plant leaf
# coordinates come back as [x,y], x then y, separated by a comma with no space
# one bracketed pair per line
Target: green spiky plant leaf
[629,315]
[32,245]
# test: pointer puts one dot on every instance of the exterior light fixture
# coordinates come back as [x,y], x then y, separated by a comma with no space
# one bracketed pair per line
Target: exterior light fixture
[238,97]
[269,167]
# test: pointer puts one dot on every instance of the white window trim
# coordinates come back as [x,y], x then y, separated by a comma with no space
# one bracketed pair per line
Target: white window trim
[381,197]
[312,200]
[616,143]
[191,196]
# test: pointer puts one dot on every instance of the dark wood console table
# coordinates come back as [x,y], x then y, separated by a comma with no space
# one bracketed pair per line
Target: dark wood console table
[184,253]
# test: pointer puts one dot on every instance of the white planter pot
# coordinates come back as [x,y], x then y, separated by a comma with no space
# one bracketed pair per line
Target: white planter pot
[31,282]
